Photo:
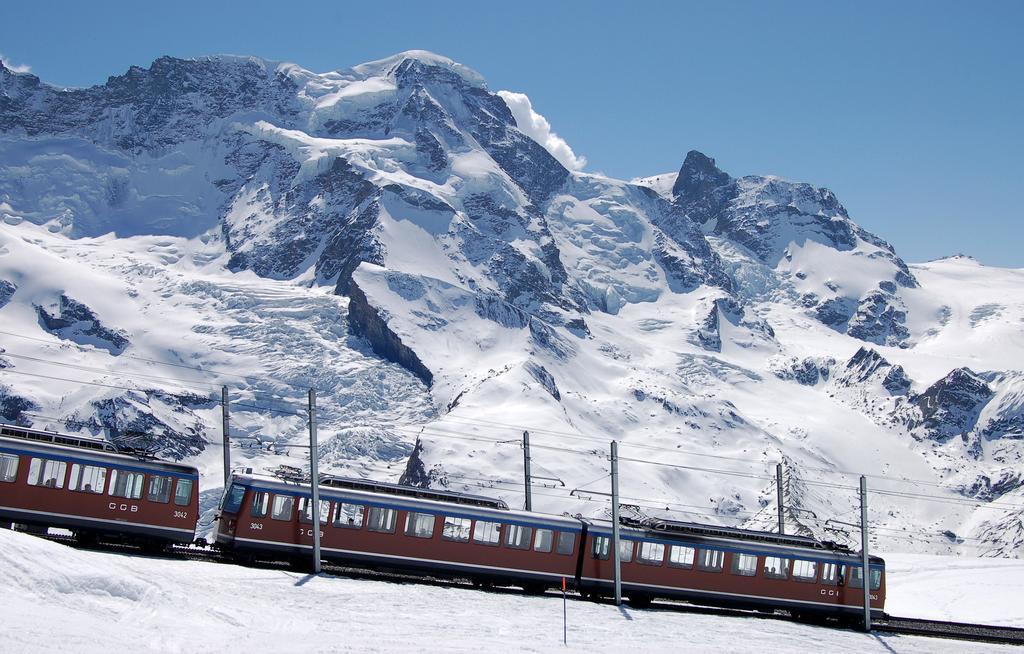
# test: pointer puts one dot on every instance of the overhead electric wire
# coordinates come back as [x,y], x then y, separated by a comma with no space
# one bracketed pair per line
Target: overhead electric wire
[131,375]
[208,371]
[595,439]
[134,376]
[698,468]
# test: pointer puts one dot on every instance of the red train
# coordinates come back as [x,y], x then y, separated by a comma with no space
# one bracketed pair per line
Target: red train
[451,534]
[86,486]
[92,489]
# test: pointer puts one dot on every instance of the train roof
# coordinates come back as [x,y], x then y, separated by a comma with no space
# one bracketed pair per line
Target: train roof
[697,529]
[84,444]
[427,500]
[288,473]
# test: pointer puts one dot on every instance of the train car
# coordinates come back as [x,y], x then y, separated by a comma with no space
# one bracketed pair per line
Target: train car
[729,567]
[399,528]
[91,488]
[451,534]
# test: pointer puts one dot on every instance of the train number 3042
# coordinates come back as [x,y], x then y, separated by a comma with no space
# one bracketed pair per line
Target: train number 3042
[181,514]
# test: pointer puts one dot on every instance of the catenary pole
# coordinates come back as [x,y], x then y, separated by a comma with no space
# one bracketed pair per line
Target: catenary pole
[778,488]
[314,482]
[865,576]
[615,524]
[225,425]
[526,470]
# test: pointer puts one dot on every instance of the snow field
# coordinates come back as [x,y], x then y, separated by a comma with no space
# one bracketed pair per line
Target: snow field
[58,599]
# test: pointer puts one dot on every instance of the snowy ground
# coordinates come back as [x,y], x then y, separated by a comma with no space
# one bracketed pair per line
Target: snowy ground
[60,599]
[964,589]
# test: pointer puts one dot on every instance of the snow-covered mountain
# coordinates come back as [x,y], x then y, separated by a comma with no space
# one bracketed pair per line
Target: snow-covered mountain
[392,235]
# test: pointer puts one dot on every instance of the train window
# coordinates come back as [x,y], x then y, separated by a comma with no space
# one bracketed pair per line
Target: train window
[304,507]
[233,499]
[856,578]
[88,479]
[650,553]
[420,525]
[183,492]
[487,533]
[625,550]
[282,507]
[566,542]
[8,467]
[47,473]
[711,560]
[348,515]
[456,529]
[832,574]
[260,504]
[381,519]
[776,568]
[126,484]
[601,547]
[543,539]
[681,556]
[805,570]
[159,489]
[518,537]
[744,565]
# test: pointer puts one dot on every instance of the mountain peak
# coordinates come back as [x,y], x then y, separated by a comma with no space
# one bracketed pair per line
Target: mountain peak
[698,175]
[422,57]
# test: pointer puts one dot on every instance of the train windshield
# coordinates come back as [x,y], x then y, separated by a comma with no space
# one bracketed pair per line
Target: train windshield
[233,499]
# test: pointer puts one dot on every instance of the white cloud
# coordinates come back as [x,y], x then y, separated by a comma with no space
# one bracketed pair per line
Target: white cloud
[15,68]
[538,128]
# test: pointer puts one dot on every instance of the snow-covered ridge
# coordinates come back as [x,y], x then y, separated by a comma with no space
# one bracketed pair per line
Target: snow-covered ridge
[393,235]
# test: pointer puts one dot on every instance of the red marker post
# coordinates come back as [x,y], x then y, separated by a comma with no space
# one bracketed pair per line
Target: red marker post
[565,628]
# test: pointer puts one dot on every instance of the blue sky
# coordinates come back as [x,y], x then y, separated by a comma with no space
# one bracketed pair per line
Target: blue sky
[911,112]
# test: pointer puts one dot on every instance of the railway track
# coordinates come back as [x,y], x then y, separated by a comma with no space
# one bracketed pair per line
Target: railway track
[890,624]
[955,630]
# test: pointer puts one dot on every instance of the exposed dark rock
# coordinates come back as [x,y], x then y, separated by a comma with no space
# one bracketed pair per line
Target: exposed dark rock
[145,109]
[13,407]
[951,406]
[896,381]
[836,312]
[709,334]
[544,336]
[698,176]
[879,320]
[867,365]
[578,326]
[806,372]
[7,290]
[367,322]
[76,322]
[544,378]
[493,308]
[986,490]
[415,473]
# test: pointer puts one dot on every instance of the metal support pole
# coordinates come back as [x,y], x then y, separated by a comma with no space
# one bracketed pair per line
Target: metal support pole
[314,482]
[615,524]
[225,422]
[526,470]
[865,576]
[778,488]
